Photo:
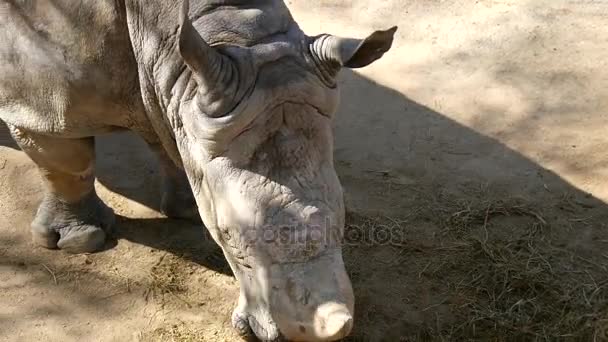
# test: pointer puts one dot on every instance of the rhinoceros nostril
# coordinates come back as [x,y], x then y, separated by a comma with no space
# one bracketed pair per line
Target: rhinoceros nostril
[305,296]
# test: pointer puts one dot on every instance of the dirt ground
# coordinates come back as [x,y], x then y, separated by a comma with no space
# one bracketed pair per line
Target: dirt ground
[477,145]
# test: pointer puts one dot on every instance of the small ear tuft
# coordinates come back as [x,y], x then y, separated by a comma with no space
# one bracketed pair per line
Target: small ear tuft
[371,48]
[336,52]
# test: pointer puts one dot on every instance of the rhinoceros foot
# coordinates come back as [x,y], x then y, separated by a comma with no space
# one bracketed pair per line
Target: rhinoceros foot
[179,204]
[79,227]
[178,201]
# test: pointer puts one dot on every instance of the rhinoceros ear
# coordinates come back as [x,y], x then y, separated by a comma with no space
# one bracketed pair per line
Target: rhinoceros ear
[351,52]
[214,72]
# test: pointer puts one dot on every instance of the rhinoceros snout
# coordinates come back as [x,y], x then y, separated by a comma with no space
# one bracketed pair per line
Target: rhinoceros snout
[332,321]
[313,301]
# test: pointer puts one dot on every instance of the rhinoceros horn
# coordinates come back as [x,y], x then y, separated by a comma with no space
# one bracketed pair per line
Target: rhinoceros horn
[215,73]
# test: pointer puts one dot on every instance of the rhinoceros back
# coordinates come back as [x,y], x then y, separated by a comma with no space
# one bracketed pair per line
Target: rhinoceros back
[65,66]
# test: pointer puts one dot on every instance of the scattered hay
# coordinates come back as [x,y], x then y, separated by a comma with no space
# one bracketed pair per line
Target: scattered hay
[505,271]
[520,287]
[472,214]
[522,291]
[504,275]
[167,278]
[501,208]
[179,332]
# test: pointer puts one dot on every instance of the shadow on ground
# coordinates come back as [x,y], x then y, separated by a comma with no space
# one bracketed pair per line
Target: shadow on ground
[5,138]
[393,156]
[181,238]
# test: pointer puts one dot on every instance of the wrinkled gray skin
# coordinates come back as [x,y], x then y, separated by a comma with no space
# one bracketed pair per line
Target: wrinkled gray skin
[238,103]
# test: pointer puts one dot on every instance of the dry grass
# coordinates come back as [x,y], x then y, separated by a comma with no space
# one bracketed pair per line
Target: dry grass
[519,286]
[523,291]
[178,332]
[475,214]
[496,264]
[168,278]
[507,277]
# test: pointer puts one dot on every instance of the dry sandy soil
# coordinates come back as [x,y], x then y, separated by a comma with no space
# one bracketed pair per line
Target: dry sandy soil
[478,143]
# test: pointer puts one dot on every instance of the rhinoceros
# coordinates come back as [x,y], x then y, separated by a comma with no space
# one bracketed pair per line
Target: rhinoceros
[238,103]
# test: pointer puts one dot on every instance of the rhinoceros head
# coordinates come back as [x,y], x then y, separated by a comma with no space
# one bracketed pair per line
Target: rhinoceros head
[259,155]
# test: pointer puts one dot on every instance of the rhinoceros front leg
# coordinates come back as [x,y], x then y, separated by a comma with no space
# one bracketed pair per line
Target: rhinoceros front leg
[71,216]
[177,200]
